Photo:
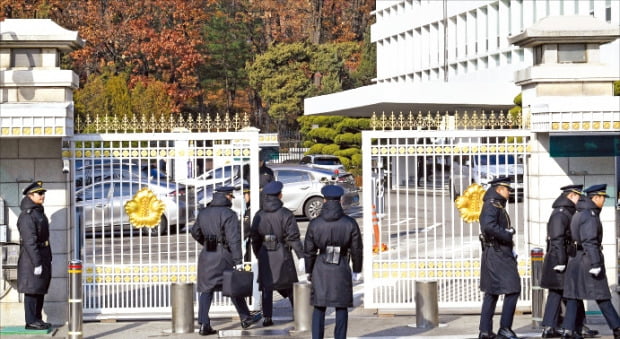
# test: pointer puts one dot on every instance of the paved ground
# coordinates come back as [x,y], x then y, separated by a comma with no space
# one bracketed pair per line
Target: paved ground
[363,323]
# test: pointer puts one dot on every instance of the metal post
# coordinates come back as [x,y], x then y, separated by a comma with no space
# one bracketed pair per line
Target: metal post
[75,300]
[538,293]
[426,304]
[302,310]
[182,295]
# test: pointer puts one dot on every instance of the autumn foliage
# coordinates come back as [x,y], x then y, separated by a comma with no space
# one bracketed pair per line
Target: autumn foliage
[191,55]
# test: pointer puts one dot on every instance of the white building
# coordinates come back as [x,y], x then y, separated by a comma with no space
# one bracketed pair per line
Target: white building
[562,55]
[423,64]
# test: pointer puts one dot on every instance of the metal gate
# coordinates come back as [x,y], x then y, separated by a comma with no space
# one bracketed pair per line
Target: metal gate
[424,183]
[118,181]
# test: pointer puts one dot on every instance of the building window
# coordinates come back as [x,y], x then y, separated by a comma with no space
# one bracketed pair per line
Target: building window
[26,57]
[538,54]
[571,53]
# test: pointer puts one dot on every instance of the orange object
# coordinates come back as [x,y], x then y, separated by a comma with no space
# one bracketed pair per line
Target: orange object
[377,246]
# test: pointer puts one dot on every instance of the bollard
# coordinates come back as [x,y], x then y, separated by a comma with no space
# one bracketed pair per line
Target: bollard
[75,300]
[426,304]
[538,293]
[182,295]
[302,310]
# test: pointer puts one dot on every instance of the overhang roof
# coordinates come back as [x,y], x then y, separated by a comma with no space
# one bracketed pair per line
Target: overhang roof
[38,33]
[414,97]
[566,29]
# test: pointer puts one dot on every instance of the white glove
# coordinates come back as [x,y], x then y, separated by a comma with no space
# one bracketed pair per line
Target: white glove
[595,271]
[514,253]
[38,270]
[301,265]
[559,268]
[239,267]
[510,230]
[356,276]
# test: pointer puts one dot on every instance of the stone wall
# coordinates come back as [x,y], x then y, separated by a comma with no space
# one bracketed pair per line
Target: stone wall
[23,160]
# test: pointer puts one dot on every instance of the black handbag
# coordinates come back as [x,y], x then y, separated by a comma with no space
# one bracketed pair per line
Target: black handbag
[237,283]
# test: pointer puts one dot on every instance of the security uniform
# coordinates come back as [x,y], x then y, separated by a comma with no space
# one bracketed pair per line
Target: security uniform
[217,229]
[274,233]
[34,265]
[585,272]
[498,271]
[332,241]
[556,257]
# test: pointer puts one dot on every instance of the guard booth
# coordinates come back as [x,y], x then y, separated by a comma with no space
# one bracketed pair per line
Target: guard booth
[137,192]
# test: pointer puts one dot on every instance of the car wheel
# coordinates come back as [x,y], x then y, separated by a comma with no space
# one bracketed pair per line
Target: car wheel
[313,207]
[159,229]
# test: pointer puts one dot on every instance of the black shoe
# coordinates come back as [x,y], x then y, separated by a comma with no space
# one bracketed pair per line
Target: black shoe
[267,322]
[38,325]
[486,335]
[567,334]
[550,332]
[506,333]
[617,333]
[247,322]
[206,330]
[586,332]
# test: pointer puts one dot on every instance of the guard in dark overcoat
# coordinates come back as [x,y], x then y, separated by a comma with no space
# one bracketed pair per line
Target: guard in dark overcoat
[585,272]
[554,264]
[274,233]
[217,228]
[333,241]
[498,271]
[34,265]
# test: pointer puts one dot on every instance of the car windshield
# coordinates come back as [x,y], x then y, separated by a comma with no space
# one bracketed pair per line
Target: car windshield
[327,161]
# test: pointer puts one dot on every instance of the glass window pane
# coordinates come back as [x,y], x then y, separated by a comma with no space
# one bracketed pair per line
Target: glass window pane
[571,53]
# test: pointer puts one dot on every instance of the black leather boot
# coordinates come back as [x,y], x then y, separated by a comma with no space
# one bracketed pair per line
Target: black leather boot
[486,335]
[568,334]
[506,333]
[206,330]
[550,332]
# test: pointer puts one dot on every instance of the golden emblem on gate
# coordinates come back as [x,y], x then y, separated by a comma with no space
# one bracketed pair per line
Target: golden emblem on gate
[144,209]
[470,203]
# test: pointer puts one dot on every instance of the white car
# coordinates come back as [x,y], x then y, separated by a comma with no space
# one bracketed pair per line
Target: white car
[330,162]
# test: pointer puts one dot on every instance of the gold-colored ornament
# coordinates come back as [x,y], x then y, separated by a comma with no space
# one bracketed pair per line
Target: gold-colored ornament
[144,209]
[470,203]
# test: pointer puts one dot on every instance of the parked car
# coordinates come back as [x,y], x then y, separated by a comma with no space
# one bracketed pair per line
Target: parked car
[302,188]
[101,209]
[92,173]
[330,162]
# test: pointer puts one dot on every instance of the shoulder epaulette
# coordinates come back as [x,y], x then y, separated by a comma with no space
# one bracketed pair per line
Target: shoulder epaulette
[29,210]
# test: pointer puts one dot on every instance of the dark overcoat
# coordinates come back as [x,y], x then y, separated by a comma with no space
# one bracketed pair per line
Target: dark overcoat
[275,219]
[35,250]
[558,236]
[331,283]
[498,268]
[587,232]
[217,219]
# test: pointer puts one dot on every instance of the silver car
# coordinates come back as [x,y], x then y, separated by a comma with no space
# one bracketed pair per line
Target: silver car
[101,205]
[302,188]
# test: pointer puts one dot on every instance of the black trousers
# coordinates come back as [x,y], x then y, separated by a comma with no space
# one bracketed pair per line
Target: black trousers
[204,305]
[267,300]
[488,308]
[33,307]
[573,317]
[318,322]
[553,311]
